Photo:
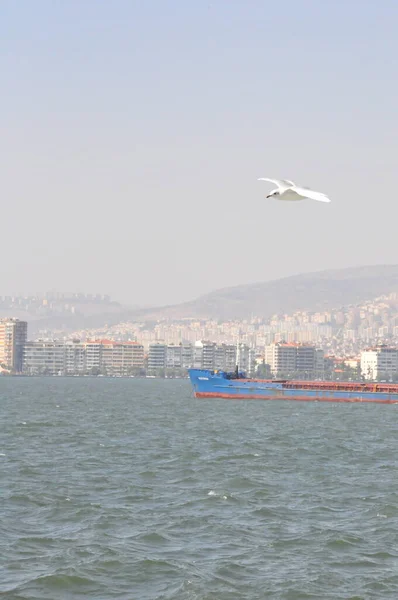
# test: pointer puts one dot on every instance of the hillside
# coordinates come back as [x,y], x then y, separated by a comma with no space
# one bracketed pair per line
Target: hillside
[310,291]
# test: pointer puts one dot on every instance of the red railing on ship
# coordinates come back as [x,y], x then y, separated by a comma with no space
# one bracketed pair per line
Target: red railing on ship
[336,386]
[386,388]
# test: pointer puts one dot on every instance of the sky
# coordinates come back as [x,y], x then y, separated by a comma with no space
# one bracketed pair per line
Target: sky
[133,134]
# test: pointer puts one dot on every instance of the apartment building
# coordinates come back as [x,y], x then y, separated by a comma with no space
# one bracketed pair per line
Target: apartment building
[286,359]
[281,358]
[379,362]
[13,335]
[44,358]
[225,357]
[75,358]
[157,356]
[186,356]
[120,358]
[246,359]
[174,356]
[208,355]
[93,355]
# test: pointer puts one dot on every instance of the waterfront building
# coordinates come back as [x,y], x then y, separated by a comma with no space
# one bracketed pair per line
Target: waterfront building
[75,358]
[380,362]
[225,357]
[174,356]
[198,355]
[186,355]
[93,356]
[157,357]
[281,358]
[13,335]
[44,358]
[121,358]
[246,359]
[286,359]
[208,355]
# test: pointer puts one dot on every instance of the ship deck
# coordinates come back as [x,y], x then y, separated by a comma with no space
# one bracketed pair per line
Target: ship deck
[332,386]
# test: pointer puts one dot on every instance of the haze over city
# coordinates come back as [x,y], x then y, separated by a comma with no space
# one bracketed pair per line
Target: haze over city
[134,133]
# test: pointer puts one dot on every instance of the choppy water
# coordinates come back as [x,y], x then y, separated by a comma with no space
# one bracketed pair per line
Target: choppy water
[131,489]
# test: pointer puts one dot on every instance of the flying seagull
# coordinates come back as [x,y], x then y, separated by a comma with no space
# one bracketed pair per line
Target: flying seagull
[287,190]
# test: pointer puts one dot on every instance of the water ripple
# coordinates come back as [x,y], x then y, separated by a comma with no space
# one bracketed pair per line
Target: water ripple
[132,489]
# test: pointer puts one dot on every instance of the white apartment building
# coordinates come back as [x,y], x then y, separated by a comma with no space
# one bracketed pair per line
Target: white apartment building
[285,359]
[186,356]
[75,358]
[93,355]
[246,359]
[204,355]
[379,362]
[174,356]
[281,358]
[44,358]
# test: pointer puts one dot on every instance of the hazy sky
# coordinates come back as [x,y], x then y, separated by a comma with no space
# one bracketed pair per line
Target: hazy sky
[133,133]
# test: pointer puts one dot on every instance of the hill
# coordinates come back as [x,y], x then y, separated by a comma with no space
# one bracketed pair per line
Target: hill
[310,291]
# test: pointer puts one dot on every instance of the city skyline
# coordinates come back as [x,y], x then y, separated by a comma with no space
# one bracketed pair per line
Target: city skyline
[256,351]
[350,326]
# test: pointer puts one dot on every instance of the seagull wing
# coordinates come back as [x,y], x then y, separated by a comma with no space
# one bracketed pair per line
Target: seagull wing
[283,184]
[307,193]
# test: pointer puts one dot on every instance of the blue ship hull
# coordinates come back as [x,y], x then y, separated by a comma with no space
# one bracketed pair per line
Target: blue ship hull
[213,384]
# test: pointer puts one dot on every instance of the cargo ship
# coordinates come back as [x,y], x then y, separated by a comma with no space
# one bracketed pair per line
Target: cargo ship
[220,384]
